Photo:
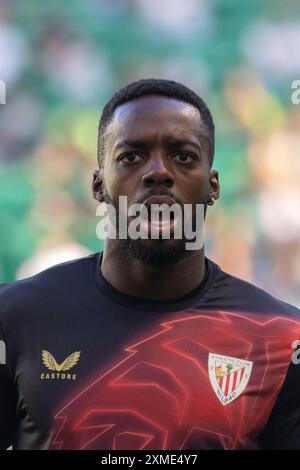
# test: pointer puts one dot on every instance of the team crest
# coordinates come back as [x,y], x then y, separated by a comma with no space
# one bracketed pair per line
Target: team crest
[229,376]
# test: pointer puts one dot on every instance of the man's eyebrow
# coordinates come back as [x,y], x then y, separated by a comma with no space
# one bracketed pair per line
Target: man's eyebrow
[181,142]
[130,143]
[173,142]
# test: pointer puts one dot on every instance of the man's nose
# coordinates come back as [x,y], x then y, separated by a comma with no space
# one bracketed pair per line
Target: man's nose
[158,172]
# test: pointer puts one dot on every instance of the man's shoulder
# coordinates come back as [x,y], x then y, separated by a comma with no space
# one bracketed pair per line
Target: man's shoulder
[244,295]
[34,290]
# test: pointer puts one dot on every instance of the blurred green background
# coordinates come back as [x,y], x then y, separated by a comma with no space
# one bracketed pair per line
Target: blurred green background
[61,62]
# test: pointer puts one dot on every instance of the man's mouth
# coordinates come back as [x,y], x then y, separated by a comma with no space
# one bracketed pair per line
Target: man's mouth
[160,219]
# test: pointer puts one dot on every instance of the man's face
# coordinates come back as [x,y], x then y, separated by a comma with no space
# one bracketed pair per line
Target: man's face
[157,146]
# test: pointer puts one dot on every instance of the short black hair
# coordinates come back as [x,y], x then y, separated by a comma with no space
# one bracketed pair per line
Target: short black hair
[154,87]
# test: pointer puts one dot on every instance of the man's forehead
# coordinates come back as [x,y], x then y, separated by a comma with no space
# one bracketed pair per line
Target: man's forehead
[165,114]
[146,106]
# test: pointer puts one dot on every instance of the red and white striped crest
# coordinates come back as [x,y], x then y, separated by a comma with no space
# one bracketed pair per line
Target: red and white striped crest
[229,376]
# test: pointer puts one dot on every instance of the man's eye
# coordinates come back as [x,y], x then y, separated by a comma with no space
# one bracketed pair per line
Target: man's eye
[130,157]
[183,157]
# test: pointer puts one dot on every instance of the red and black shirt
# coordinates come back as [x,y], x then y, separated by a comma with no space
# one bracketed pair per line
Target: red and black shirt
[83,366]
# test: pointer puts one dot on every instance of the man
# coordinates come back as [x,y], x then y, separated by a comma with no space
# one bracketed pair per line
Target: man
[148,345]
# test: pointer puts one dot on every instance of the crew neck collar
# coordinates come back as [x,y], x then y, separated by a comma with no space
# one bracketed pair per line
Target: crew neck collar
[137,303]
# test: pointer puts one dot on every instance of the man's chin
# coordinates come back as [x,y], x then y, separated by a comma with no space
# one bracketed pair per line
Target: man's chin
[155,253]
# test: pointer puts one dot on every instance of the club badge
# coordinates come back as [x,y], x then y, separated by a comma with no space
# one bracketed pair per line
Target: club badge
[228,376]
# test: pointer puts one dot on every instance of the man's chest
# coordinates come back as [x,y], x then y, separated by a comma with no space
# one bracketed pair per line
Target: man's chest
[201,380]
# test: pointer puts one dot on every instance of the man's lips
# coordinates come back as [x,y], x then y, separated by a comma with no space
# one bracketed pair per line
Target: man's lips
[158,201]
[154,213]
[156,217]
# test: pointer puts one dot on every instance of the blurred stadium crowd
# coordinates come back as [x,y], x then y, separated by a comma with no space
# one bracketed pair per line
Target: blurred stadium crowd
[61,62]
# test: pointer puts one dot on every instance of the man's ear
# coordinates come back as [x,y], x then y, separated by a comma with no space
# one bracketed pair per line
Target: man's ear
[97,186]
[214,187]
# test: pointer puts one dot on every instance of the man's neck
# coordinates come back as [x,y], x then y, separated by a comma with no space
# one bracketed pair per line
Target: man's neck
[131,277]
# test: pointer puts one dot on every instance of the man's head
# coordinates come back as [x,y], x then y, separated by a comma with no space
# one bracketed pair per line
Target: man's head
[156,87]
[156,137]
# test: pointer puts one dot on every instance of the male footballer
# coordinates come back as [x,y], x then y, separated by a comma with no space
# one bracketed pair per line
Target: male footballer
[149,344]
